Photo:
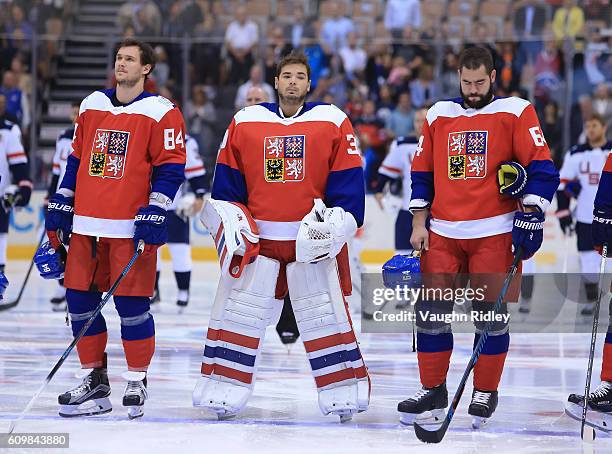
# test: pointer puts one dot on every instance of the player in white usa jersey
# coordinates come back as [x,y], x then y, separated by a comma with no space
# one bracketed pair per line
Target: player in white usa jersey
[398,164]
[580,176]
[186,204]
[63,147]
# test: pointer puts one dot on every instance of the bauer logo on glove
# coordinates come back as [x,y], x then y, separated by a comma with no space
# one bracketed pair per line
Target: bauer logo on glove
[512,179]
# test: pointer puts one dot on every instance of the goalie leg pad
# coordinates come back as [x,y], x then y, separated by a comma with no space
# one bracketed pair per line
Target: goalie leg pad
[340,374]
[242,310]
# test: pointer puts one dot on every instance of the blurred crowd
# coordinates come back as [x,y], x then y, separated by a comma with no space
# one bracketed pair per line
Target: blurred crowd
[378,60]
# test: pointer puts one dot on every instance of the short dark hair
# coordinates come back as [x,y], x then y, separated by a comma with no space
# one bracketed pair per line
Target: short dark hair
[596,117]
[474,57]
[293,58]
[147,54]
[76,104]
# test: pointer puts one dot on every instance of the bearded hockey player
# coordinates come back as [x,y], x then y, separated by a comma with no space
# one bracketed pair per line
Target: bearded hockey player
[126,165]
[477,220]
[287,195]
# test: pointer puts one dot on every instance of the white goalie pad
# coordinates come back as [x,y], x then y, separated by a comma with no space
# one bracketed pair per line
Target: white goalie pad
[234,232]
[326,330]
[323,232]
[242,310]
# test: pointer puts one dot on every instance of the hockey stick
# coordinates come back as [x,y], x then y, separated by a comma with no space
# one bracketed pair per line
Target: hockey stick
[79,336]
[12,304]
[590,432]
[436,436]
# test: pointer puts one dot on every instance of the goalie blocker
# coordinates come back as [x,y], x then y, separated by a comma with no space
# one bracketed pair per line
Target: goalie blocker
[249,298]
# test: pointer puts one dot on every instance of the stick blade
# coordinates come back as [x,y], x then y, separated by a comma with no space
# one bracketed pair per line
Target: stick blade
[430,436]
[7,306]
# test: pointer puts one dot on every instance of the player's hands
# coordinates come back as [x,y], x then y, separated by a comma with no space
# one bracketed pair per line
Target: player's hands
[151,227]
[572,189]
[420,238]
[50,261]
[60,212]
[512,179]
[379,196]
[3,284]
[17,195]
[566,222]
[601,229]
[528,232]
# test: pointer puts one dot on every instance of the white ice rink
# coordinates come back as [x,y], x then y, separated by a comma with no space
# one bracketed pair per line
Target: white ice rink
[282,416]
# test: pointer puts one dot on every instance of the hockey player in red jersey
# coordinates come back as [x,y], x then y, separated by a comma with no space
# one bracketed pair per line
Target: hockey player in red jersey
[126,165]
[287,195]
[600,400]
[476,223]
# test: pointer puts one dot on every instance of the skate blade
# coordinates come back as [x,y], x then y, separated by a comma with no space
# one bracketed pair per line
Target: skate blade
[478,422]
[135,411]
[595,419]
[427,418]
[90,408]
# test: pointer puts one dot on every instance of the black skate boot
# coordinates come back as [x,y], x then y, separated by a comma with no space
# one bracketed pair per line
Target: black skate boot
[135,393]
[426,406]
[90,397]
[599,415]
[482,407]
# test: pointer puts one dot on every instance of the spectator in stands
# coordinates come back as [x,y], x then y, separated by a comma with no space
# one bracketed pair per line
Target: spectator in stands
[241,37]
[399,75]
[299,27]
[316,56]
[151,15]
[580,112]
[207,52]
[18,21]
[596,9]
[335,29]
[174,25]
[529,19]
[278,43]
[372,138]
[508,71]
[200,117]
[354,58]
[255,80]
[568,21]
[161,72]
[377,67]
[423,90]
[548,73]
[596,54]
[16,101]
[552,128]
[402,13]
[4,115]
[449,77]
[400,121]
[410,48]
[385,104]
[602,104]
[142,25]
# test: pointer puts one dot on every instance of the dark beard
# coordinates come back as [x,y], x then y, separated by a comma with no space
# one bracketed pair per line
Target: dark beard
[292,99]
[129,83]
[482,101]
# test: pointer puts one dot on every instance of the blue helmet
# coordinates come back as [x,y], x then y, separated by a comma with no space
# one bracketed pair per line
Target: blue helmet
[49,262]
[402,270]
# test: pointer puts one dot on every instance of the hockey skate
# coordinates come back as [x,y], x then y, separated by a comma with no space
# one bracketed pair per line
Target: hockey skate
[342,401]
[58,301]
[135,393]
[599,414]
[482,407]
[426,406]
[90,397]
[182,299]
[225,399]
[156,298]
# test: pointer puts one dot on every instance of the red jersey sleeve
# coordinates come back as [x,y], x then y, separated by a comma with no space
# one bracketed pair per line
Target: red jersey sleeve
[229,183]
[167,144]
[423,170]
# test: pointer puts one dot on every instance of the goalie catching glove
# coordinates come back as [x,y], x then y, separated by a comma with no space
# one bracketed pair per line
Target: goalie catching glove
[323,233]
[512,179]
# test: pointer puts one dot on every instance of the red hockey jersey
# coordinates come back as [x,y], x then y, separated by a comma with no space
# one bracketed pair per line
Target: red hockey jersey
[455,166]
[277,166]
[118,147]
